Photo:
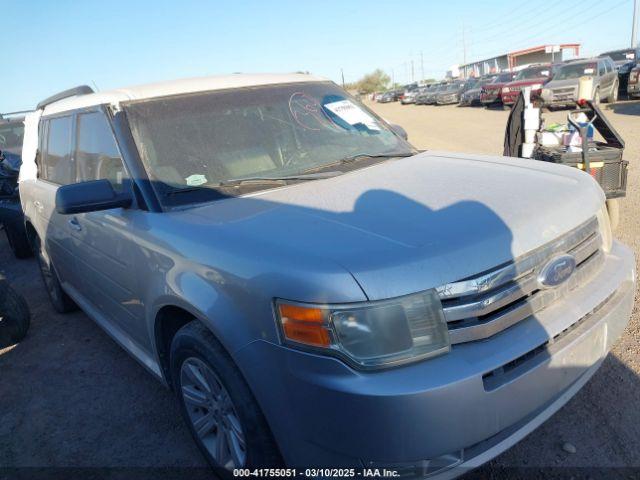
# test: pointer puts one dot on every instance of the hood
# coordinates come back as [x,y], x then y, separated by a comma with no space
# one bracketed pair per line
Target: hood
[526,83]
[408,224]
[494,86]
[569,82]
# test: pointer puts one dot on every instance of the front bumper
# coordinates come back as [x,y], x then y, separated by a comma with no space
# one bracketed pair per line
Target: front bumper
[323,413]
[633,89]
[490,98]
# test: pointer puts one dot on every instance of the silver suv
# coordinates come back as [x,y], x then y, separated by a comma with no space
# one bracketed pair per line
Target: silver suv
[314,290]
[563,89]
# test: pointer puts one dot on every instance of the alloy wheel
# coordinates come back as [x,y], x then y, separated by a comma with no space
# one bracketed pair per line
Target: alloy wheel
[212,414]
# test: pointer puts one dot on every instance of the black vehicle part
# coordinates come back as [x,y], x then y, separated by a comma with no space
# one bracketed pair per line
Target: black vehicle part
[14,315]
[72,92]
[514,135]
[602,160]
[12,220]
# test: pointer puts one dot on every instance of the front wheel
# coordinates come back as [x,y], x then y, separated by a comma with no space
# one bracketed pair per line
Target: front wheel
[218,406]
[596,97]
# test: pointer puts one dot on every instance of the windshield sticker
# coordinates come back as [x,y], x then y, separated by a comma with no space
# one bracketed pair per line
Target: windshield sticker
[630,56]
[352,114]
[196,180]
[588,71]
[544,73]
[307,112]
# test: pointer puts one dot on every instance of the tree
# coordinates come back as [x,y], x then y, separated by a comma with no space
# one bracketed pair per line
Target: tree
[373,82]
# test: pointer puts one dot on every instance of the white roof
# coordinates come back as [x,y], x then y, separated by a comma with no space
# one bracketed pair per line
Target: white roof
[174,87]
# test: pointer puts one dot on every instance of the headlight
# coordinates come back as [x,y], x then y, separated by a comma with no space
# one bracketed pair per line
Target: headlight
[546,93]
[605,228]
[505,89]
[369,334]
[536,86]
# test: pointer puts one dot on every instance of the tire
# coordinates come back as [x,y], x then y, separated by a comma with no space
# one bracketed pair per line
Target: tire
[62,303]
[194,348]
[596,96]
[18,240]
[613,208]
[14,316]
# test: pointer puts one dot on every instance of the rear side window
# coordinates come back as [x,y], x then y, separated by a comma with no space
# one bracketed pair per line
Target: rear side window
[57,166]
[97,154]
[601,69]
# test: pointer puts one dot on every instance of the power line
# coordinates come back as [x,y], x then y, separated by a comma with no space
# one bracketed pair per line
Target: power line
[579,24]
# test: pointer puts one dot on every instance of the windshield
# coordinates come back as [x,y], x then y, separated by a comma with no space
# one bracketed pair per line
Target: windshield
[503,77]
[205,139]
[576,70]
[621,55]
[532,73]
[11,137]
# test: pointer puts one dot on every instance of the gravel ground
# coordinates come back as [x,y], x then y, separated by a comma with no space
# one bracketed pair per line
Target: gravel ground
[71,398]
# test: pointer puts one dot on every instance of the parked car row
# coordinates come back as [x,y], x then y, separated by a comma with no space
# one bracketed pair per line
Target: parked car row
[553,85]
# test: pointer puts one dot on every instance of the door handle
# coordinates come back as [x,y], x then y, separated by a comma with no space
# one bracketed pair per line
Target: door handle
[38,205]
[75,225]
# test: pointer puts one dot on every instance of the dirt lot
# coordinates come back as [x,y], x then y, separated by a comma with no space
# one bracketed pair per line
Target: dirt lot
[70,397]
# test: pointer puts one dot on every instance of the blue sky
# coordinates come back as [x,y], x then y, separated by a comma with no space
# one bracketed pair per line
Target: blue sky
[51,45]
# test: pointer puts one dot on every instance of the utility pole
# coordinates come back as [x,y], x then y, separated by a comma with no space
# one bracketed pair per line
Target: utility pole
[464,53]
[634,27]
[413,77]
[393,78]
[421,66]
[342,73]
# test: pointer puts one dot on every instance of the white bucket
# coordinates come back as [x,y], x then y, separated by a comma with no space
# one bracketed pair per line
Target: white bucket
[585,88]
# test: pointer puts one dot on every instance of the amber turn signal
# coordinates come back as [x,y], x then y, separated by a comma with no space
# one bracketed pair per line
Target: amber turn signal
[304,325]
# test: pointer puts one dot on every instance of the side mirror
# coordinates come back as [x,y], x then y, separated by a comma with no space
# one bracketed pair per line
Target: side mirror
[89,196]
[398,130]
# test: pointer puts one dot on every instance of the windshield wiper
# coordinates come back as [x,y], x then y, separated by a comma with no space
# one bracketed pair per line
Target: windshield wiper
[256,180]
[359,156]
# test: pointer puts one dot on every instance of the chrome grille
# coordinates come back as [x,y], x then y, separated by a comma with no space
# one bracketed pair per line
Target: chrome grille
[479,307]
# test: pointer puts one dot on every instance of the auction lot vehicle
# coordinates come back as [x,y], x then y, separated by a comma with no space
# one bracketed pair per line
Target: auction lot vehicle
[563,89]
[387,97]
[11,218]
[471,97]
[316,291]
[535,77]
[625,60]
[491,93]
[430,95]
[633,88]
[409,96]
[451,94]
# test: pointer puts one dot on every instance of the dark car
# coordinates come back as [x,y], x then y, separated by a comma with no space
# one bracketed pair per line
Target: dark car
[387,97]
[11,218]
[471,96]
[421,98]
[491,93]
[633,88]
[451,94]
[432,93]
[625,60]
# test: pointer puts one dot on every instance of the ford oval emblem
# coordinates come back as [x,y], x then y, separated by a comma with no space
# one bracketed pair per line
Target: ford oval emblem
[557,271]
